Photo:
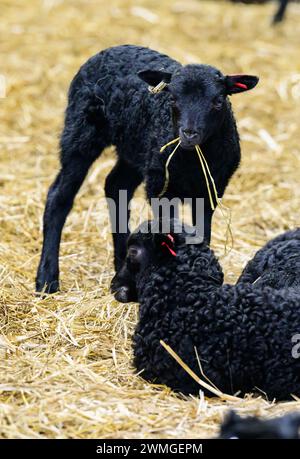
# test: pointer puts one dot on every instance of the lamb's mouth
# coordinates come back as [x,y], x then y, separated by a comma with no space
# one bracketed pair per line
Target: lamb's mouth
[187,146]
[192,144]
[125,294]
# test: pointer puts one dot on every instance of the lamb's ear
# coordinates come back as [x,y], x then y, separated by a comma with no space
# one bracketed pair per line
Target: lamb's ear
[240,83]
[165,244]
[154,77]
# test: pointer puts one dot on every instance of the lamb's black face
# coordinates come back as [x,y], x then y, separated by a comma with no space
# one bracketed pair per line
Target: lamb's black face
[156,244]
[143,248]
[199,103]
[139,253]
[199,95]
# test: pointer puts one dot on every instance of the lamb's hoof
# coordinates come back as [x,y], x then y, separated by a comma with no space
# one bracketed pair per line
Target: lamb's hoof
[277,20]
[44,287]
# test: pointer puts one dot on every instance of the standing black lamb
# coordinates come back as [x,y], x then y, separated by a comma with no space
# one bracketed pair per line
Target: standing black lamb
[110,104]
[242,333]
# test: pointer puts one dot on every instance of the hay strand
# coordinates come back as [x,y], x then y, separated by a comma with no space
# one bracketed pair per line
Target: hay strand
[193,375]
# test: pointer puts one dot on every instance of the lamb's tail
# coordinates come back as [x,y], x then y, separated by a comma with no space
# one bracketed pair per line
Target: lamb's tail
[97,100]
[90,95]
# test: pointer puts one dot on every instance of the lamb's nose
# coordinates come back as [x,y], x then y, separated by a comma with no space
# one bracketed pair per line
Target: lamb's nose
[122,294]
[189,135]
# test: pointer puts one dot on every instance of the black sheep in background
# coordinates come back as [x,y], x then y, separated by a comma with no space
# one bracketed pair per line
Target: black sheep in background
[251,427]
[242,333]
[280,13]
[110,104]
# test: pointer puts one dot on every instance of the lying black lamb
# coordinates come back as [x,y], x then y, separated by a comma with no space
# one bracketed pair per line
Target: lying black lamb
[242,333]
[277,264]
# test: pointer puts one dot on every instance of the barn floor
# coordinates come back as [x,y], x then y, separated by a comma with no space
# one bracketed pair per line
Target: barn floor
[65,361]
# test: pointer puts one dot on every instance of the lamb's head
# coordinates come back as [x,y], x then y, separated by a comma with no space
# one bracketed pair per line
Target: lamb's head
[150,248]
[199,94]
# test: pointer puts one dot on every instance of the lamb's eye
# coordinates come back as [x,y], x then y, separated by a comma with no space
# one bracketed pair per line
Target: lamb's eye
[134,255]
[218,103]
[173,101]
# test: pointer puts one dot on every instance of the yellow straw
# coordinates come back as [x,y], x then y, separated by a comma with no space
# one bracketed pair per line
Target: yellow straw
[201,155]
[218,200]
[169,143]
[204,166]
[158,88]
[208,178]
[193,375]
[167,175]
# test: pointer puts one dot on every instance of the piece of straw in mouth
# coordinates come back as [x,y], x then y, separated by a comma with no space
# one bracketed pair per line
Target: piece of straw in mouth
[212,194]
[205,169]
[167,175]
[224,210]
[169,143]
[203,164]
[193,375]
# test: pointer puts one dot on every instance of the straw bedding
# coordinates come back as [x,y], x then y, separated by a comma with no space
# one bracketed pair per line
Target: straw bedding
[65,361]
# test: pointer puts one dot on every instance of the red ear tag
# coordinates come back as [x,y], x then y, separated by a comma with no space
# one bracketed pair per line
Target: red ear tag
[170,237]
[172,252]
[164,244]
[241,85]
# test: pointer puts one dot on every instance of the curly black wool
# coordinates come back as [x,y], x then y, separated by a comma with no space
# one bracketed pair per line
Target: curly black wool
[277,264]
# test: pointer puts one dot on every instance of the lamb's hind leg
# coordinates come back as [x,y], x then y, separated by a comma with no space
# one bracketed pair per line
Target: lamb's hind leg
[78,152]
[207,218]
[59,203]
[85,135]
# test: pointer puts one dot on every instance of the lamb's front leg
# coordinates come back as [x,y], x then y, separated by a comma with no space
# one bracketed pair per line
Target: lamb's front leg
[202,218]
[164,205]
[59,203]
[122,178]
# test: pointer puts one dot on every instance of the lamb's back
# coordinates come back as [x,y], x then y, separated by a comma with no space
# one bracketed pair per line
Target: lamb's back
[277,264]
